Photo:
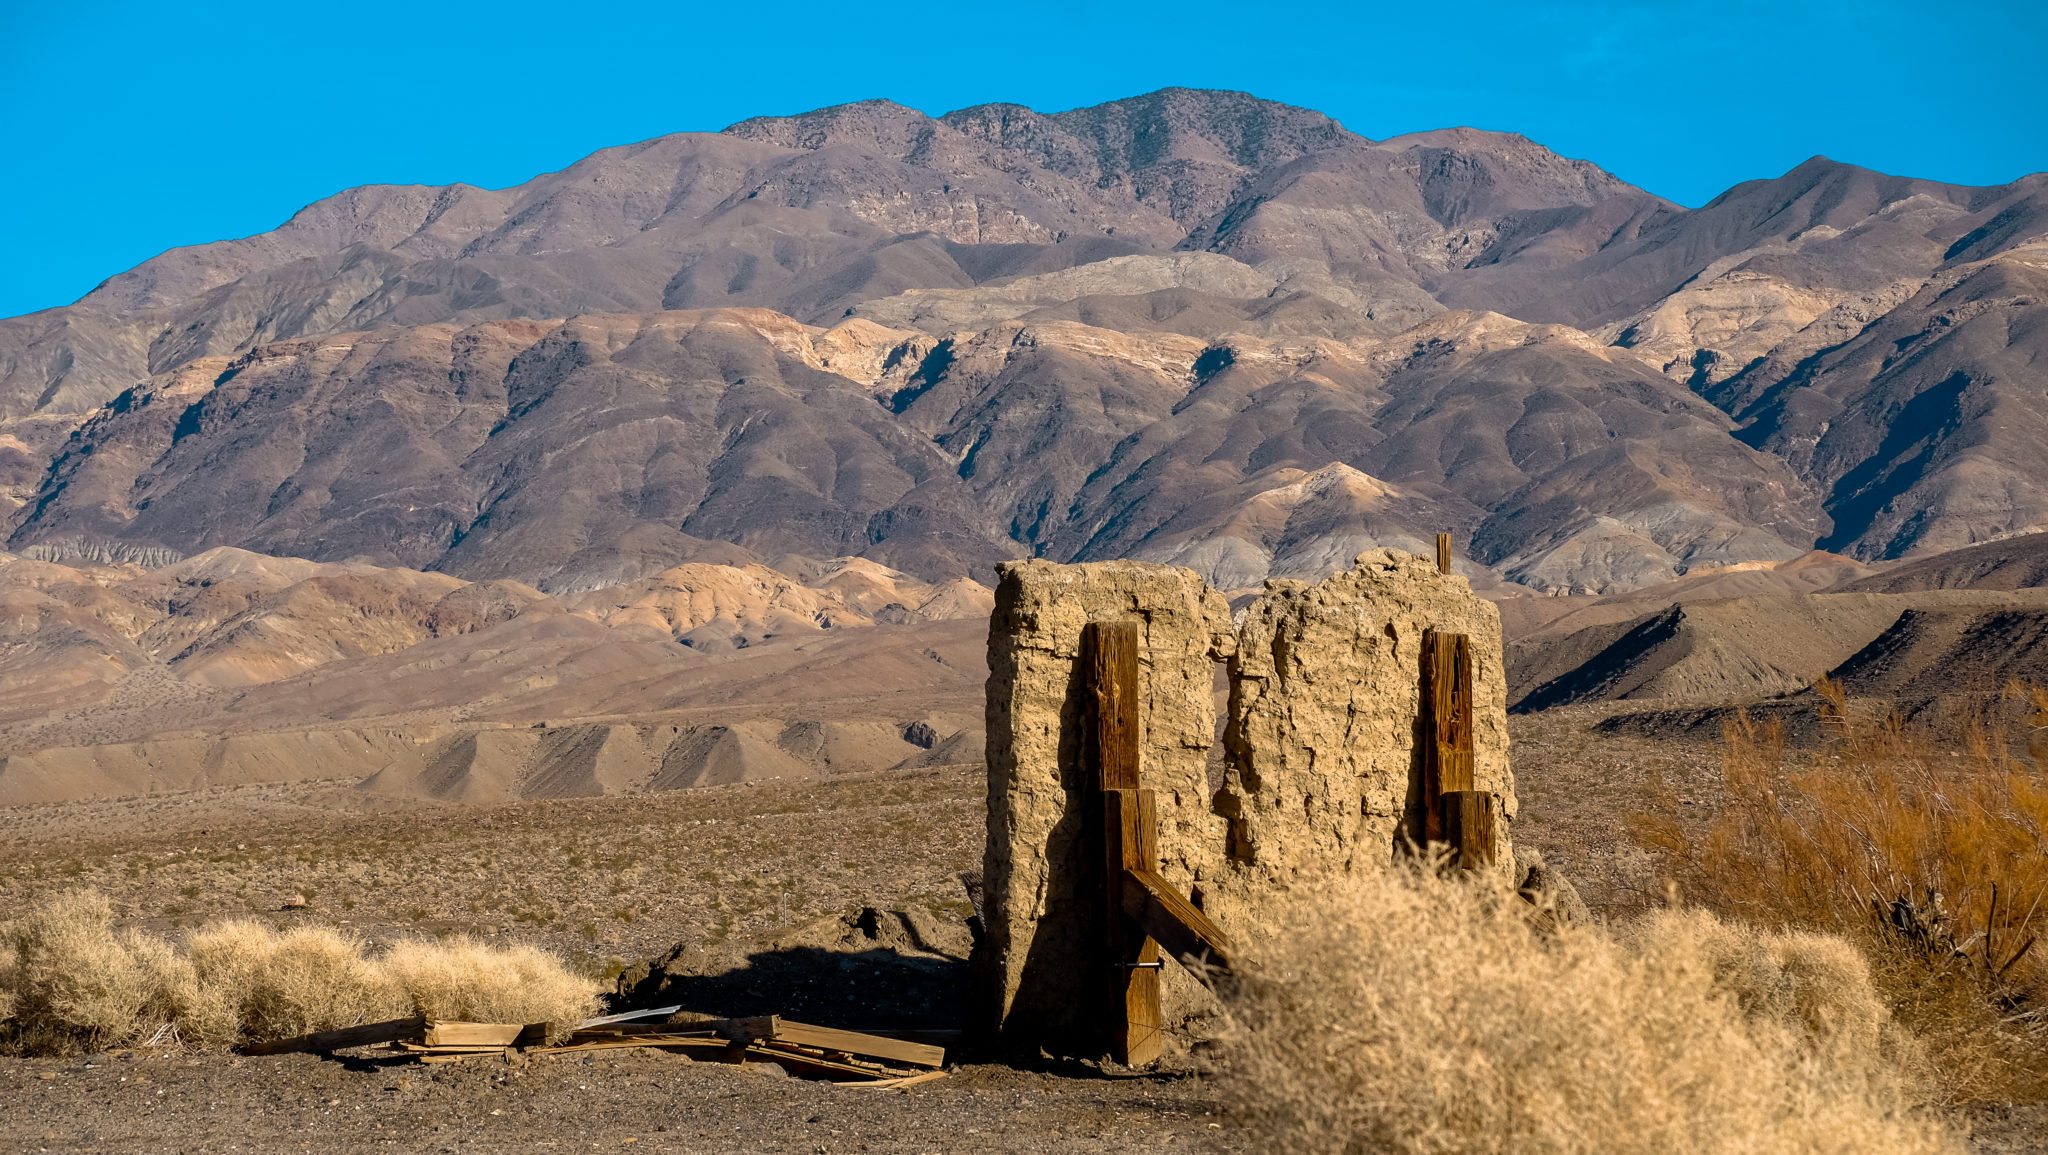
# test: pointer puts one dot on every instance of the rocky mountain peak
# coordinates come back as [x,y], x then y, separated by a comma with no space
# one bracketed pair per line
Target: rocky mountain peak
[1115,331]
[882,124]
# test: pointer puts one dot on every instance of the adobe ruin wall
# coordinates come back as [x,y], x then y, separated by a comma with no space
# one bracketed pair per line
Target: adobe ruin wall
[1320,776]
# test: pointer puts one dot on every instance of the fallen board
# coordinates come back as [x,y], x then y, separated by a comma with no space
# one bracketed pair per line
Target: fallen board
[367,1035]
[628,1016]
[440,1034]
[902,1084]
[781,1030]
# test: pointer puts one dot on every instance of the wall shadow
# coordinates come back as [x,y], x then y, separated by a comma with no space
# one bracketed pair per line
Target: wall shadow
[878,989]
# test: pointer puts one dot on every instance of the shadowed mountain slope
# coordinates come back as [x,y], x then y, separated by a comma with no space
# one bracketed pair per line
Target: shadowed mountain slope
[1189,325]
[603,448]
[2010,564]
[807,215]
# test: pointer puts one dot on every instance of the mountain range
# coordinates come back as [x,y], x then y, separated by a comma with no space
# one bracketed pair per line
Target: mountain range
[1190,326]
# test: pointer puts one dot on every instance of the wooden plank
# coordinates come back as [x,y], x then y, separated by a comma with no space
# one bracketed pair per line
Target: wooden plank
[903,1084]
[797,1062]
[1112,680]
[712,1046]
[440,1034]
[628,1016]
[1447,723]
[406,1048]
[1470,819]
[856,1043]
[745,1030]
[936,1036]
[1443,553]
[617,1030]
[648,1038]
[367,1035]
[1183,931]
[1128,835]
[1130,824]
[703,1043]
[774,1028]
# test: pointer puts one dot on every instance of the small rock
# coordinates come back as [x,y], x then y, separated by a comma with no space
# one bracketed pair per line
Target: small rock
[295,902]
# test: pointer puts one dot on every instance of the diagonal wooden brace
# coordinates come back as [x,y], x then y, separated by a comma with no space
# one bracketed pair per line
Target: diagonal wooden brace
[1181,930]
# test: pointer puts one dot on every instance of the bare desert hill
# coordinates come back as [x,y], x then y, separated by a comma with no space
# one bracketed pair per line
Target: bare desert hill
[1189,326]
[233,667]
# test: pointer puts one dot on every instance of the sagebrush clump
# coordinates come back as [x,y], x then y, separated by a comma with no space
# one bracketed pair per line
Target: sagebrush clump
[309,978]
[1931,853]
[467,980]
[1423,1014]
[68,980]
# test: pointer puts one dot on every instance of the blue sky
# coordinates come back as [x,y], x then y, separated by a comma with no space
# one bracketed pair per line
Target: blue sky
[134,127]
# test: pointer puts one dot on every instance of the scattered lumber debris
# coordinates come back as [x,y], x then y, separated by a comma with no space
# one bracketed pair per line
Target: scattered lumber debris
[368,1035]
[897,1059]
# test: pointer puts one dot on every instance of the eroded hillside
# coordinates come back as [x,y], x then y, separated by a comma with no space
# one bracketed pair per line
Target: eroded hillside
[1190,326]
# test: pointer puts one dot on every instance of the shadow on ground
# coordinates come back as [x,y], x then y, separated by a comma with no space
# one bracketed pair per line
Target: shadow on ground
[879,989]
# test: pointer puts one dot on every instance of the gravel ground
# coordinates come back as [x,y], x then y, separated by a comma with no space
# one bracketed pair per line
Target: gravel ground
[642,1100]
[609,881]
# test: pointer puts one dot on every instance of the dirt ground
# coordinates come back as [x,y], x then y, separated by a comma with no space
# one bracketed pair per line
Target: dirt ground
[609,882]
[602,881]
[637,1100]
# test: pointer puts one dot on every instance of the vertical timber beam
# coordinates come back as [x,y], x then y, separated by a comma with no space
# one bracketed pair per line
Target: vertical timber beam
[1470,819]
[1443,553]
[1129,837]
[1131,821]
[1447,722]
[1111,649]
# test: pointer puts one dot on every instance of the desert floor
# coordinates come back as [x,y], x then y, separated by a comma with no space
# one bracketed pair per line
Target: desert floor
[613,881]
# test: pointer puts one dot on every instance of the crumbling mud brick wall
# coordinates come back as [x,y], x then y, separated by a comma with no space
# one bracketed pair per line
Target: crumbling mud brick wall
[1042,876]
[1322,769]
[1324,743]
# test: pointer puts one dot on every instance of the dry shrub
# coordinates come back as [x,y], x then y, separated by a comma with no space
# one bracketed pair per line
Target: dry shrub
[74,980]
[1428,1015]
[467,980]
[1934,854]
[68,979]
[9,966]
[309,978]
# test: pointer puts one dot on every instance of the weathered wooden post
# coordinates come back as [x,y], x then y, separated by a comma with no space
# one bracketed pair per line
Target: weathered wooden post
[1129,836]
[1141,910]
[1454,812]
[1447,722]
[1469,822]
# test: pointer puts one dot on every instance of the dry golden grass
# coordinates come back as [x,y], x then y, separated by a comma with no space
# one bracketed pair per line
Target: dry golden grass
[599,881]
[71,980]
[73,977]
[1429,1015]
[310,978]
[467,980]
[1932,854]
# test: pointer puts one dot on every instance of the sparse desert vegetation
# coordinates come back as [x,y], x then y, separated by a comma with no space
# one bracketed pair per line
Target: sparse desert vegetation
[1535,1013]
[1427,1014]
[597,880]
[1927,849]
[965,578]
[74,983]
